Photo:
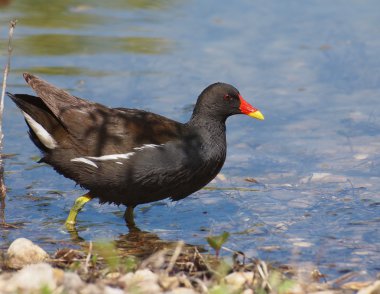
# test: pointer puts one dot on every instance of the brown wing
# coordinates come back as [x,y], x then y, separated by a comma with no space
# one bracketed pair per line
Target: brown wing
[95,129]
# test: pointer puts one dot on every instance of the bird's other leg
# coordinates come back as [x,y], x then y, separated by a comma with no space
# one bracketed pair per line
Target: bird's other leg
[78,205]
[129,217]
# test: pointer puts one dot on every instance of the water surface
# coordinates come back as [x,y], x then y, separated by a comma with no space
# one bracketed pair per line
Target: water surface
[311,67]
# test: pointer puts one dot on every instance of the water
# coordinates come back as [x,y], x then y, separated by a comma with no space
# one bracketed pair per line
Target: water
[311,67]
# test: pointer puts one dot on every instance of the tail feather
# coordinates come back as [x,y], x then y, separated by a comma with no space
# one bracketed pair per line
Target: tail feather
[56,99]
[41,121]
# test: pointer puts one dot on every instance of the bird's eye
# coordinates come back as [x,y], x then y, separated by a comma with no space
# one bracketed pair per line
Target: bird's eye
[227,97]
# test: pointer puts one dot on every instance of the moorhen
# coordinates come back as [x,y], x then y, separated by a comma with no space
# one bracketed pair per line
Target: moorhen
[129,156]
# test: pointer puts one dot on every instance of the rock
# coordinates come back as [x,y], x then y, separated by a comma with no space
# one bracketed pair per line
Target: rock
[91,289]
[23,252]
[72,282]
[33,278]
[371,289]
[142,281]
[113,275]
[168,283]
[238,279]
[4,282]
[111,290]
[182,290]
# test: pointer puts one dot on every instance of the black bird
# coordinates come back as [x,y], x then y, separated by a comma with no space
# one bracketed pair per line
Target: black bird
[129,156]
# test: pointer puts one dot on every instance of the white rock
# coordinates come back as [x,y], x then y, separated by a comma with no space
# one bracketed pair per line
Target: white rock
[142,281]
[4,282]
[182,290]
[238,279]
[111,290]
[32,278]
[371,289]
[168,283]
[139,276]
[91,289]
[23,252]
[72,282]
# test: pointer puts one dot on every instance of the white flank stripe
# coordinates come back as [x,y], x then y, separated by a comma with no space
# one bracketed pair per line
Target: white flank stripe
[89,159]
[84,160]
[40,132]
[147,146]
[112,156]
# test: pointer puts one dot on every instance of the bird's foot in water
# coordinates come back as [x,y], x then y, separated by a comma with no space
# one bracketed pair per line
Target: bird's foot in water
[78,205]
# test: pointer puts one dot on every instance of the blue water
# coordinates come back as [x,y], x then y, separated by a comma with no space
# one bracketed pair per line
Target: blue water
[312,67]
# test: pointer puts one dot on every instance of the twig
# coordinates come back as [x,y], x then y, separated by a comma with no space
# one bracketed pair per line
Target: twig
[175,255]
[197,253]
[262,268]
[235,253]
[12,25]
[88,258]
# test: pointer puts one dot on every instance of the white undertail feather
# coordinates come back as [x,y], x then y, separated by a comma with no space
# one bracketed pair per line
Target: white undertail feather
[45,138]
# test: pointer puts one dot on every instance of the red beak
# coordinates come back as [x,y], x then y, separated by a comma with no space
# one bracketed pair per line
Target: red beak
[249,110]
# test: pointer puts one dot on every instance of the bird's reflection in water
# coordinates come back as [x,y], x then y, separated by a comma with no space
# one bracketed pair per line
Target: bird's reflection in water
[138,243]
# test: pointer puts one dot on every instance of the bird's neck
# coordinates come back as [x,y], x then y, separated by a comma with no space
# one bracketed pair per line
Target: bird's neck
[212,129]
[211,134]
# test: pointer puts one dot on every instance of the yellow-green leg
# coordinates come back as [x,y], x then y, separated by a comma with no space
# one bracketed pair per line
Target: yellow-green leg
[78,205]
[128,216]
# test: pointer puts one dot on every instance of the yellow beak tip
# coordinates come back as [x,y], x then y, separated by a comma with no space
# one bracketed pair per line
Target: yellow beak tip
[256,114]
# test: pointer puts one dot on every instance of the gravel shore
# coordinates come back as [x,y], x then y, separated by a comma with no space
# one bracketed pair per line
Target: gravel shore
[27,268]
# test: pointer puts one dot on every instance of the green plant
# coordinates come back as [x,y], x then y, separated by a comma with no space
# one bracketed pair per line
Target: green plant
[216,242]
[108,252]
[280,284]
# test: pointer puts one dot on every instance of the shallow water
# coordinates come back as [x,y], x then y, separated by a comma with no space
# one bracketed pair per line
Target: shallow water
[311,67]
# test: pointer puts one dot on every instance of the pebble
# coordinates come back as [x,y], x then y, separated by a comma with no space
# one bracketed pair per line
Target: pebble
[238,279]
[371,289]
[142,281]
[111,290]
[182,290]
[72,282]
[169,283]
[32,278]
[91,289]
[23,252]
